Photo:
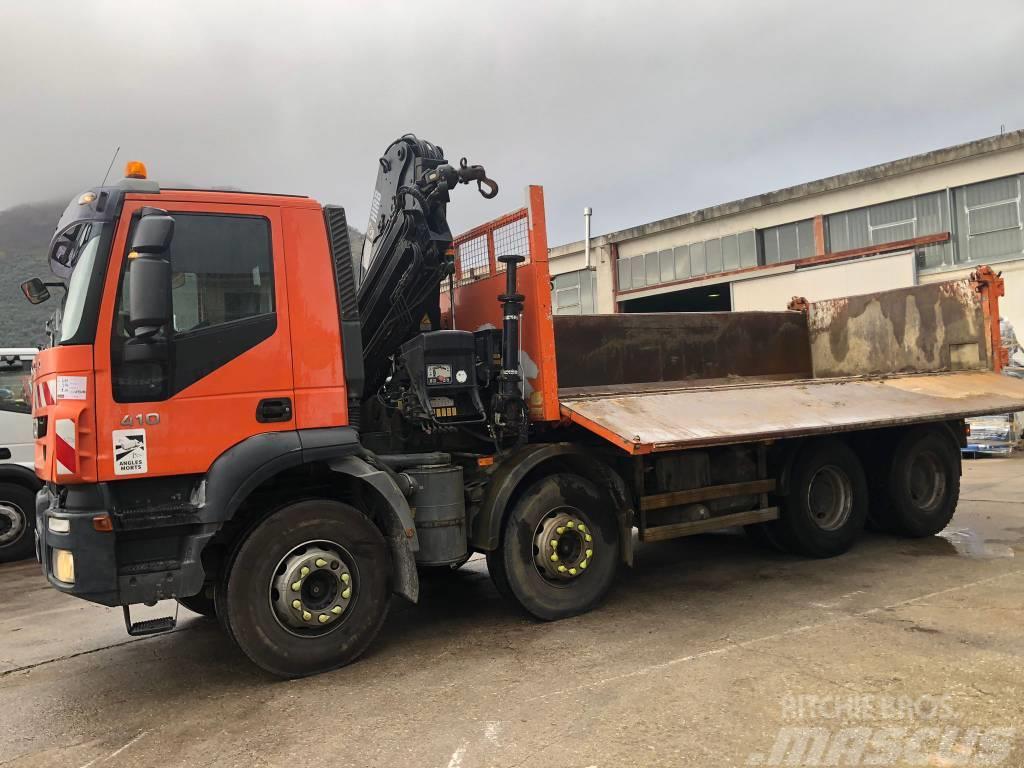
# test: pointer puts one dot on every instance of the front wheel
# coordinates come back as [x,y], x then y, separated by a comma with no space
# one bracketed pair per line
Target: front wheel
[308,589]
[559,548]
[17,522]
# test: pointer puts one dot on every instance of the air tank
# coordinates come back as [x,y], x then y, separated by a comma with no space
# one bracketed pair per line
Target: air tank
[439,510]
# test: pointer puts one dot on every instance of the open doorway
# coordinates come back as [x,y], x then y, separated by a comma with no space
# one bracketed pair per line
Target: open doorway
[706,298]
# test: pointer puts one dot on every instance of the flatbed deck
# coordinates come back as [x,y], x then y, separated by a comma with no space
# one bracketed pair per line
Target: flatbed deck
[663,416]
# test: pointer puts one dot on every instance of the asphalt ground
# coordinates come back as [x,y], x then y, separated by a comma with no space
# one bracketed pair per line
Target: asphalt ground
[709,652]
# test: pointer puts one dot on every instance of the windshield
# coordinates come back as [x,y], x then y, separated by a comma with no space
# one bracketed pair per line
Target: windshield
[80,248]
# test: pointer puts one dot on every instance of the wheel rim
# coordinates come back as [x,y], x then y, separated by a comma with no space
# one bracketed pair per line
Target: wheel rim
[563,545]
[12,523]
[830,498]
[927,481]
[313,587]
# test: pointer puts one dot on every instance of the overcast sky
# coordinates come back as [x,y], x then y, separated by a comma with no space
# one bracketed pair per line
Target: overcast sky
[638,109]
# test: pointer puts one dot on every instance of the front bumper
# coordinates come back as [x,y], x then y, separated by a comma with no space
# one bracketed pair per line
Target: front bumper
[115,567]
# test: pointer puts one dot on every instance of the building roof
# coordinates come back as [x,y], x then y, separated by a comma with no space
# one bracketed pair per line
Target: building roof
[893,168]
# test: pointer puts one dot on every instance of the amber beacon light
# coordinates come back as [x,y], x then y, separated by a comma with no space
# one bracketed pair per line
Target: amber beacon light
[134,169]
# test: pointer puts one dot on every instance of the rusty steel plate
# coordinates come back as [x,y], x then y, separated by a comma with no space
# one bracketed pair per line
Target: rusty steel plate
[667,418]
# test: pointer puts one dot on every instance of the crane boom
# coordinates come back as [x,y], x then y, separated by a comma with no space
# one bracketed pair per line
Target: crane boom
[406,253]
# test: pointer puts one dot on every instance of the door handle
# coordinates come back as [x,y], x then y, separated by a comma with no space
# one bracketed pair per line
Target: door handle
[274,409]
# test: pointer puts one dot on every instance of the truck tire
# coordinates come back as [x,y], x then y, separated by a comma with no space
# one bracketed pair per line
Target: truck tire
[17,522]
[924,483]
[827,504]
[308,588]
[559,548]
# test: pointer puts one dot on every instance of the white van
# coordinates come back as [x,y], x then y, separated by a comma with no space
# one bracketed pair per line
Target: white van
[18,482]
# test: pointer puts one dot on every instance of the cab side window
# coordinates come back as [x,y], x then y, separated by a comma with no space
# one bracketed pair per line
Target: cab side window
[222,300]
[222,270]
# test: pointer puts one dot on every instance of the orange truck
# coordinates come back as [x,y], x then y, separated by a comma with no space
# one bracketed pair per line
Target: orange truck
[238,413]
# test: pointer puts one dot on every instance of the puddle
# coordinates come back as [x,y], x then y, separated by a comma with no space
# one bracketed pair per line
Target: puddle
[969,543]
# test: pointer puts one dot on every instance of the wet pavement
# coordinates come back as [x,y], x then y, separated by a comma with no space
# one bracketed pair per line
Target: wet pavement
[708,653]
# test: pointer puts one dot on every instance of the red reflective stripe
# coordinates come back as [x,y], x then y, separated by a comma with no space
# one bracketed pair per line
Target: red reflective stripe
[47,395]
[65,453]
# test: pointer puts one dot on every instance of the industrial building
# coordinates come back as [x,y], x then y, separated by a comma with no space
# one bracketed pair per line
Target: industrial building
[925,218]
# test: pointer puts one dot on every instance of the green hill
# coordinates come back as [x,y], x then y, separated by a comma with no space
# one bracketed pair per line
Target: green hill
[25,232]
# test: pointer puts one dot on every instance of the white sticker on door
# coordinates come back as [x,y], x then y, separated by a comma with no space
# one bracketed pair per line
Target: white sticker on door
[130,452]
[71,387]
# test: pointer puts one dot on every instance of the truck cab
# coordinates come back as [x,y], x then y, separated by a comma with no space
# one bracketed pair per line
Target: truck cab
[214,396]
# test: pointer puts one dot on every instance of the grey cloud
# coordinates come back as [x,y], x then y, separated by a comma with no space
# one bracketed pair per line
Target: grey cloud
[639,109]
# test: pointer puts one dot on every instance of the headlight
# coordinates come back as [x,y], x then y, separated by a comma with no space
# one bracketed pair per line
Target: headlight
[64,566]
[58,525]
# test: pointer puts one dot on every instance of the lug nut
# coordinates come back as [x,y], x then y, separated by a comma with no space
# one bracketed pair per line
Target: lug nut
[336,610]
[323,618]
[554,557]
[297,586]
[296,604]
[306,615]
[320,562]
[345,577]
[347,593]
[304,571]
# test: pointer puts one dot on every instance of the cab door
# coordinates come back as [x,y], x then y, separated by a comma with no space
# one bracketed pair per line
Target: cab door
[227,371]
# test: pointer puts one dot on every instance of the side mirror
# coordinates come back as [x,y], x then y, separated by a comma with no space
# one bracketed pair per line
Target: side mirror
[153,232]
[149,279]
[35,291]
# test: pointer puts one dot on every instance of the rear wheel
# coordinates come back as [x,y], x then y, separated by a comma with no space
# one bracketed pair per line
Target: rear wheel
[924,483]
[308,589]
[827,502]
[559,549]
[17,522]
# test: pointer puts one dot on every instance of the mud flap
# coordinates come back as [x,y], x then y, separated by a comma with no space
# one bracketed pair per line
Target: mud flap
[396,521]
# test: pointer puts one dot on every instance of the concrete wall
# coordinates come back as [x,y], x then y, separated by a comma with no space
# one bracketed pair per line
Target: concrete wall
[931,179]
[942,169]
[825,282]
[1011,306]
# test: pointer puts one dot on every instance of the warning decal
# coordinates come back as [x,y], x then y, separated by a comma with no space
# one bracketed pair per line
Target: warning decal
[71,387]
[439,373]
[130,452]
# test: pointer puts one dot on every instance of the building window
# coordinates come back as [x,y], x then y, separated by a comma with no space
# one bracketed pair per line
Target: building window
[892,222]
[639,278]
[572,293]
[681,255]
[988,221]
[707,257]
[787,242]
